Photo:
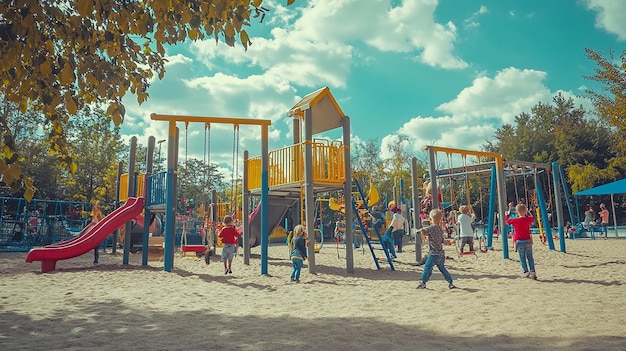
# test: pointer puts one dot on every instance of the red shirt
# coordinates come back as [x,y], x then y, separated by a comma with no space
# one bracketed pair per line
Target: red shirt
[521,226]
[229,235]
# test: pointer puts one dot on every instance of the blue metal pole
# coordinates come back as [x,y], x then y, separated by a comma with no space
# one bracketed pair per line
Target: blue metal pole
[492,208]
[170,199]
[168,253]
[559,206]
[573,219]
[264,199]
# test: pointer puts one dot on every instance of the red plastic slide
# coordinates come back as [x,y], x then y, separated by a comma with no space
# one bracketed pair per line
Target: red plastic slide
[89,238]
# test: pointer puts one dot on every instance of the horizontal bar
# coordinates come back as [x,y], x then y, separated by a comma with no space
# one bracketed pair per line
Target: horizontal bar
[205,119]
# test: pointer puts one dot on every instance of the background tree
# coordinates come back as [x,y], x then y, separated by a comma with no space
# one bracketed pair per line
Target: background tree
[365,159]
[398,166]
[610,104]
[19,129]
[561,132]
[60,56]
[196,181]
[96,144]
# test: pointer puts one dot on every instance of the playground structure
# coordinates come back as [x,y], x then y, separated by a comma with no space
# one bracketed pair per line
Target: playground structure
[311,166]
[497,193]
[294,174]
[281,178]
[41,222]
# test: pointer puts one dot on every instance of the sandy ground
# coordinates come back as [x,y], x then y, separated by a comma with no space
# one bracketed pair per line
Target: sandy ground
[578,303]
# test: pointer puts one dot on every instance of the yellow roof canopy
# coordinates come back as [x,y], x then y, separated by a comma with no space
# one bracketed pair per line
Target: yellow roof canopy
[326,112]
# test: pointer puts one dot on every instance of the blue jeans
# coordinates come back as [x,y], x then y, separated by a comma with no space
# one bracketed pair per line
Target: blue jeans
[439,261]
[387,242]
[525,251]
[297,267]
[398,235]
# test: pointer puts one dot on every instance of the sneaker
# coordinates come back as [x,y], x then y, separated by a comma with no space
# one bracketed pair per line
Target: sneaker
[297,280]
[526,274]
[293,279]
[225,270]
[421,285]
[533,275]
[451,286]
[230,271]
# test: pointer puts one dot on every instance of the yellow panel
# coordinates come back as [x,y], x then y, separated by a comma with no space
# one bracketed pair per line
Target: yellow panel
[140,181]
[123,187]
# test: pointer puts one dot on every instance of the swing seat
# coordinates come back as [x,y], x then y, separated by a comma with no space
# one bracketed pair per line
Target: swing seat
[468,253]
[465,253]
[193,248]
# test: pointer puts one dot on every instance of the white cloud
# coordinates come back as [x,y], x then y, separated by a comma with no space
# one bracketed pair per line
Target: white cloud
[472,21]
[411,27]
[610,16]
[509,93]
[477,111]
[442,131]
[319,47]
[177,59]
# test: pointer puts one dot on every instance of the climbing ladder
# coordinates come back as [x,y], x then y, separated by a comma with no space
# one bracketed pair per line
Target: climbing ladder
[355,208]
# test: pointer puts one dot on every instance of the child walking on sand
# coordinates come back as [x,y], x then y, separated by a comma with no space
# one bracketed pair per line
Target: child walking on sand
[298,251]
[436,255]
[523,239]
[230,239]
[464,221]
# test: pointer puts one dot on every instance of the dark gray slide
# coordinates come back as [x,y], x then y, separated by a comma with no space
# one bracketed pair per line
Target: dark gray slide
[277,209]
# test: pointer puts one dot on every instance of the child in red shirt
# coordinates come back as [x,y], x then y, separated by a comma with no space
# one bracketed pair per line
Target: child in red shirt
[523,239]
[230,239]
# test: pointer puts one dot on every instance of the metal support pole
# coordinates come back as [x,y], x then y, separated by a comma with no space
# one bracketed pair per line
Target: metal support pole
[245,202]
[432,169]
[347,195]
[417,220]
[309,203]
[146,195]
[170,199]
[131,192]
[264,199]
[559,208]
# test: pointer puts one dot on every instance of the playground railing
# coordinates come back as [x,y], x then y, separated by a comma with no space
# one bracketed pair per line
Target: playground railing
[286,165]
[157,190]
[24,224]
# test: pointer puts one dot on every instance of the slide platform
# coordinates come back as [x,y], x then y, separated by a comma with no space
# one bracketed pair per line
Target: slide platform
[88,239]
[277,209]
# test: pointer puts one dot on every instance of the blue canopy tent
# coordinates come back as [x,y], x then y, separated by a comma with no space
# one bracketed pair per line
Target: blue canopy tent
[616,187]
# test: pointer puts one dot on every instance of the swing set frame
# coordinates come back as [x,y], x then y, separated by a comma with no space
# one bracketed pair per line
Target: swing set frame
[172,161]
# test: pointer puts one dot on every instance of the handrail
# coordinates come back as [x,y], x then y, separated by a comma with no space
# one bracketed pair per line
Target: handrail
[286,165]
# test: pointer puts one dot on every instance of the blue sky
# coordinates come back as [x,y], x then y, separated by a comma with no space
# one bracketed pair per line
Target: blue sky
[445,72]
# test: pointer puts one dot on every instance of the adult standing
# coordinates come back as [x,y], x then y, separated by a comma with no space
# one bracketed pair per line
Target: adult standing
[604,217]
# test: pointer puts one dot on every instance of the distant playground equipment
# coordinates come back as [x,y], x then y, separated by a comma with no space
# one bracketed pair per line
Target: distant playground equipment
[365,233]
[338,204]
[41,222]
[498,194]
[88,239]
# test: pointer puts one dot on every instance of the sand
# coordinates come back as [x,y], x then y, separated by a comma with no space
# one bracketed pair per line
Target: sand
[578,303]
